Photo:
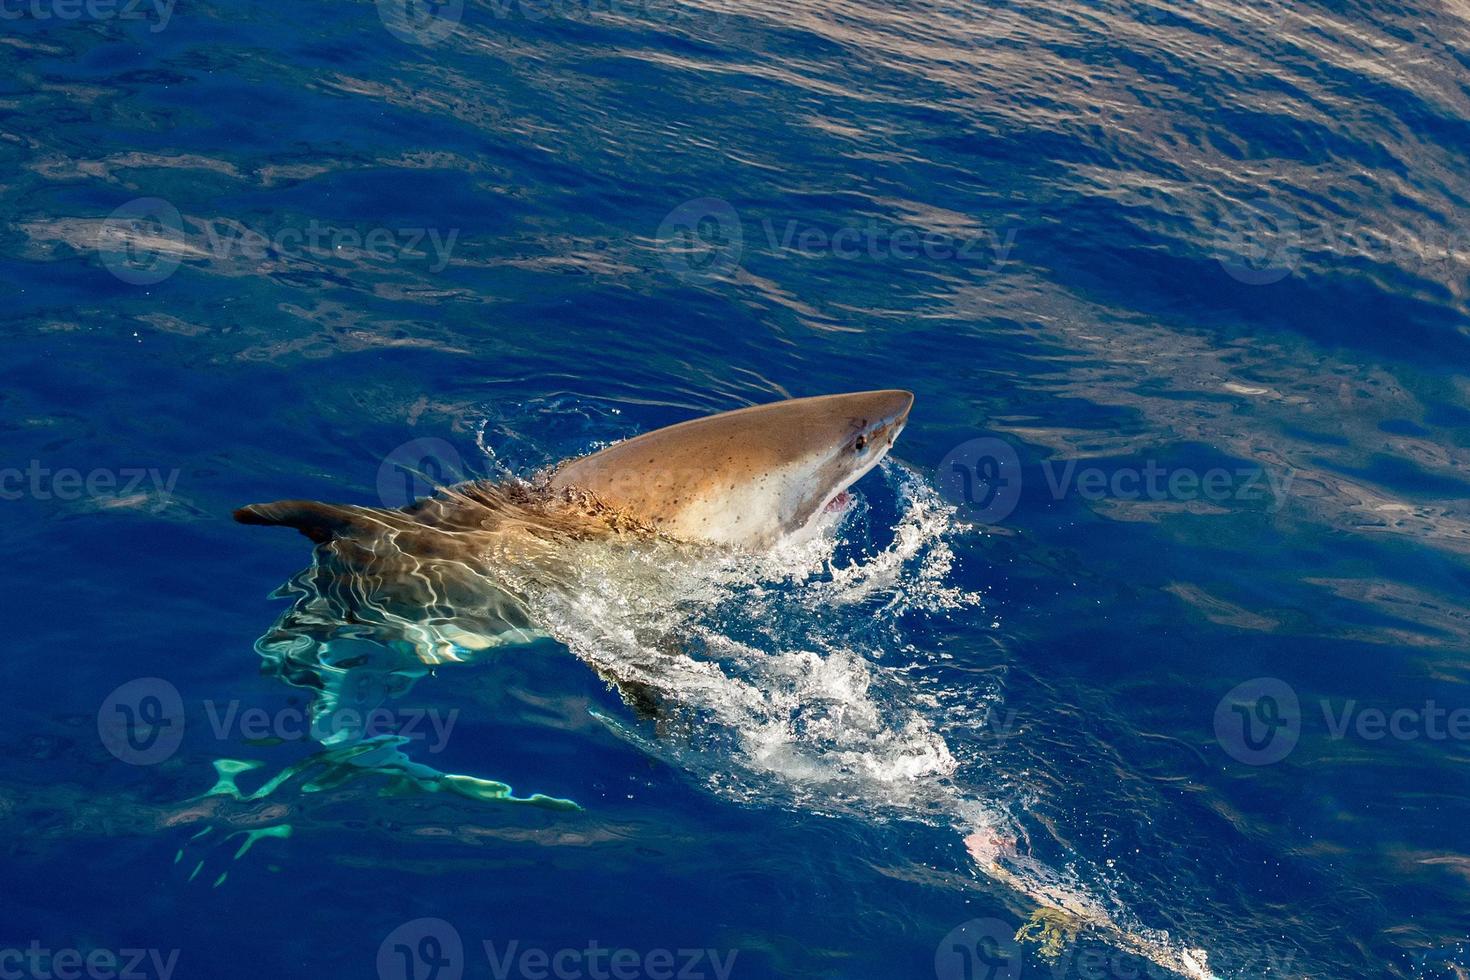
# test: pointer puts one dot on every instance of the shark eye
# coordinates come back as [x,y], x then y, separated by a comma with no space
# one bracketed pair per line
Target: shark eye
[862,443]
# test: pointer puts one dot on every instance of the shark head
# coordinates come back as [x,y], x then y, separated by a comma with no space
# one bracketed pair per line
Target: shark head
[746,478]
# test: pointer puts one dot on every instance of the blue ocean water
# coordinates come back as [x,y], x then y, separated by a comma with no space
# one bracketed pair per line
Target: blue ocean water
[1167,568]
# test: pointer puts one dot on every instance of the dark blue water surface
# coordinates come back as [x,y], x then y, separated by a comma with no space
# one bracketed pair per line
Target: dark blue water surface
[1181,291]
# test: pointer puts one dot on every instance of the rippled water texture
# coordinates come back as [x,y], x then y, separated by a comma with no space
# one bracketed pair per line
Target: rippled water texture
[348,251]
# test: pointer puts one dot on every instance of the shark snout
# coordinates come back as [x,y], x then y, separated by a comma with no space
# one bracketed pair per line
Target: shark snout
[902,401]
[899,404]
[883,413]
[889,407]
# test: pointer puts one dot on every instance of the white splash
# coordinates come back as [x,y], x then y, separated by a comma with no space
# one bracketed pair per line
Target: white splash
[769,678]
[771,662]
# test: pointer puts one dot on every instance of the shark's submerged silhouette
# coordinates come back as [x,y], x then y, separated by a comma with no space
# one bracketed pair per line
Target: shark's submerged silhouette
[459,571]
[392,592]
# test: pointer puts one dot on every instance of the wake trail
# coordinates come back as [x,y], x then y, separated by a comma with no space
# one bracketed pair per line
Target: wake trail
[809,676]
[769,678]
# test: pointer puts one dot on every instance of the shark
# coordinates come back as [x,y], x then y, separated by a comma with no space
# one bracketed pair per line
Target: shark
[391,592]
[452,573]
[746,478]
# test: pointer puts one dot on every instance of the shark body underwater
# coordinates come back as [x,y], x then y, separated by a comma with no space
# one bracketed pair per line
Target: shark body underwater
[459,571]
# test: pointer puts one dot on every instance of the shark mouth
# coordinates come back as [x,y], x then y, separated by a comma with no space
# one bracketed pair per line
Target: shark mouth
[838,503]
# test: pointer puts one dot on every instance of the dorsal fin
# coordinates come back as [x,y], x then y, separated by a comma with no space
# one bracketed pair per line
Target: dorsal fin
[318,521]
